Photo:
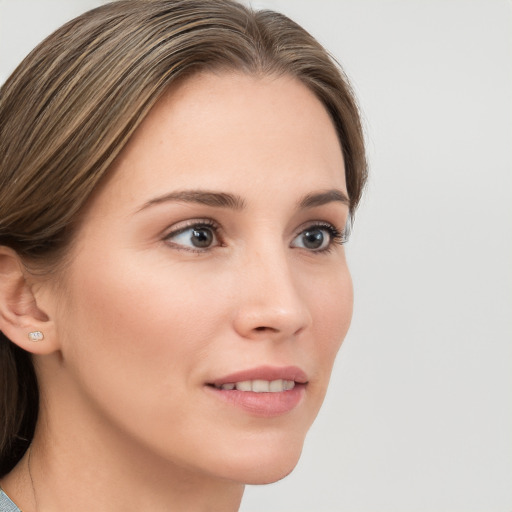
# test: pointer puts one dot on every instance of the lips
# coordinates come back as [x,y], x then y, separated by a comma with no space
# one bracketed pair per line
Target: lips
[265,391]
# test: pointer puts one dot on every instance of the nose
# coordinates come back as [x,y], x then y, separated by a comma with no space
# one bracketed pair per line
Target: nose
[270,302]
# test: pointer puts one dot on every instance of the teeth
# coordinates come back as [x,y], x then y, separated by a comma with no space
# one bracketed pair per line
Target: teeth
[260,386]
[276,385]
[288,384]
[246,385]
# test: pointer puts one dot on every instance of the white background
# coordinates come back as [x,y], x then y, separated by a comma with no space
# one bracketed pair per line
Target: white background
[419,414]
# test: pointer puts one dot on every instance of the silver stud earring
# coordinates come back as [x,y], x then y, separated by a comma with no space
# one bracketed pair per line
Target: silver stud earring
[36,336]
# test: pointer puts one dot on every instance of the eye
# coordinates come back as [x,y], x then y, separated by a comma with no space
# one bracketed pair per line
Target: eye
[197,236]
[318,238]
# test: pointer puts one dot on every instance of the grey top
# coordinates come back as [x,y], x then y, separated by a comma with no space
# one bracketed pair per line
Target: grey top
[6,505]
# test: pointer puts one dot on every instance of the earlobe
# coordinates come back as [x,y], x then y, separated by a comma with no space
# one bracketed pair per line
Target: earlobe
[21,319]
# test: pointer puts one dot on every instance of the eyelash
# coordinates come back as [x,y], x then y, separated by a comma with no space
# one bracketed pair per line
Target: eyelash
[197,224]
[336,236]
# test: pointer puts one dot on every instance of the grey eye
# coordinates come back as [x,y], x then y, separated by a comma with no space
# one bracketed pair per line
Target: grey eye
[197,237]
[313,239]
[202,237]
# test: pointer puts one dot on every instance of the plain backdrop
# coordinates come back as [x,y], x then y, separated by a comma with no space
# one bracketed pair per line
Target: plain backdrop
[419,414]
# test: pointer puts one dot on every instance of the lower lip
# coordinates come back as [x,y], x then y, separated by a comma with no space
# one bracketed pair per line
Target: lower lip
[266,405]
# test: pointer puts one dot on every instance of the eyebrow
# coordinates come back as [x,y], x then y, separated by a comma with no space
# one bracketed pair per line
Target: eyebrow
[321,198]
[235,202]
[205,197]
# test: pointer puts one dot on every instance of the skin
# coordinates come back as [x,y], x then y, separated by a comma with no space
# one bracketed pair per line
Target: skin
[142,320]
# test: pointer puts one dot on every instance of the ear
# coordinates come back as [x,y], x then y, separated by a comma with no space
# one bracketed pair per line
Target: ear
[20,314]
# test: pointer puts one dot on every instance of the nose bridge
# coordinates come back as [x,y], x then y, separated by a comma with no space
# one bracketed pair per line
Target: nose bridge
[270,302]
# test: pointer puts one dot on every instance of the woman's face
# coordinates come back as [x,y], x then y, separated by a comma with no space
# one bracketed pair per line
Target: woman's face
[211,258]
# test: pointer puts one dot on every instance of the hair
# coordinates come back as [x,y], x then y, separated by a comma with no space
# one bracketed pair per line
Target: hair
[71,106]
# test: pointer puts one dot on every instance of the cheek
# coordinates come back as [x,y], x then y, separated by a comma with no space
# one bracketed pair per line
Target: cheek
[132,324]
[140,312]
[332,307]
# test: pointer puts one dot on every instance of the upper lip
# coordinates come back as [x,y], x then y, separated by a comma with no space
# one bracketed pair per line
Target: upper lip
[269,373]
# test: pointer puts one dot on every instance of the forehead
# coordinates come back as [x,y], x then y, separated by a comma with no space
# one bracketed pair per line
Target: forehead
[232,131]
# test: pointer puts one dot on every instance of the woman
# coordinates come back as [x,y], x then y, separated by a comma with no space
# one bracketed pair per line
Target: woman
[177,183]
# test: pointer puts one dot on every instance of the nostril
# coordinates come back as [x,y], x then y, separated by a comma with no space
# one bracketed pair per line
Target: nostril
[263,328]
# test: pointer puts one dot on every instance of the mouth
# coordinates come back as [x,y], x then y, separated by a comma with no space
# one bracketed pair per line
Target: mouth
[264,391]
[258,386]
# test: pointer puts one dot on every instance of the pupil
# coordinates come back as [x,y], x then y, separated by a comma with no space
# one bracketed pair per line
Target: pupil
[313,239]
[202,237]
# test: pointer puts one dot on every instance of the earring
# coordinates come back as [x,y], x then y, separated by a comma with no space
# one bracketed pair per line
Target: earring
[36,336]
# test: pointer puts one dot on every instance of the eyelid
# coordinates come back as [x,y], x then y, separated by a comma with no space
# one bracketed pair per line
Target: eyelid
[180,227]
[189,223]
[338,236]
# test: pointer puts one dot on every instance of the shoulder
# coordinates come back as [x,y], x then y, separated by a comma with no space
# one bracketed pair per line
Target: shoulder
[6,504]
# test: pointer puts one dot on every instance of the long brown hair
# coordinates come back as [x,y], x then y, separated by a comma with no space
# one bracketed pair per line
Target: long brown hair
[71,106]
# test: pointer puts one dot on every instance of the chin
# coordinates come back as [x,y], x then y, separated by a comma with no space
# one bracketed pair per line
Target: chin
[267,473]
[271,474]
[264,463]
